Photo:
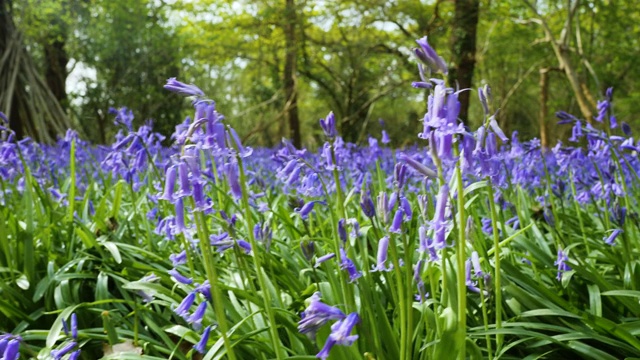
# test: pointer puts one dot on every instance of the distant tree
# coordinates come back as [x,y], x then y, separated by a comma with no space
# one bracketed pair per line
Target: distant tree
[289,72]
[463,50]
[33,108]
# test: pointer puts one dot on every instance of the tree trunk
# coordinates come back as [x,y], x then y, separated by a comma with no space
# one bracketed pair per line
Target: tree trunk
[542,115]
[463,49]
[7,31]
[32,108]
[289,81]
[576,84]
[561,50]
[56,68]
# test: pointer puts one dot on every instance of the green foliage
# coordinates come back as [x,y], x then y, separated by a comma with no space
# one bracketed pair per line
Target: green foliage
[350,60]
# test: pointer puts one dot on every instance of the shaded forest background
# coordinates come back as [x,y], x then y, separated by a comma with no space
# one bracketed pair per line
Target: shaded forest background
[276,67]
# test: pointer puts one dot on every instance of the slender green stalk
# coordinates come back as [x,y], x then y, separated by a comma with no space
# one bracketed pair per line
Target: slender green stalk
[212,275]
[461,246]
[485,318]
[395,259]
[496,259]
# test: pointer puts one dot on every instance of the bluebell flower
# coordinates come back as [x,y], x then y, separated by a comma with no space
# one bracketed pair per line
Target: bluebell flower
[497,130]
[576,132]
[287,169]
[603,108]
[166,227]
[340,334]
[294,176]
[418,166]
[75,355]
[475,262]
[196,318]
[306,209]
[439,223]
[400,175]
[491,145]
[262,233]
[482,95]
[471,285]
[185,184]
[183,309]
[565,118]
[429,57]
[316,315]
[180,226]
[367,206]
[396,225]
[182,88]
[383,247]
[423,242]
[178,259]
[393,199]
[231,169]
[179,277]
[216,240]
[406,207]
[308,249]
[11,349]
[342,231]
[327,155]
[421,85]
[243,151]
[514,222]
[561,262]
[329,126]
[201,346]
[355,228]
[487,226]
[610,240]
[348,265]
[244,246]
[204,289]
[385,137]
[417,277]
[74,326]
[324,258]
[59,353]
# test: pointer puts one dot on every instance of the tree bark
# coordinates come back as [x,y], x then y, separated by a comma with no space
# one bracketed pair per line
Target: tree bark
[32,108]
[542,115]
[463,49]
[561,50]
[289,81]
[56,68]
[7,31]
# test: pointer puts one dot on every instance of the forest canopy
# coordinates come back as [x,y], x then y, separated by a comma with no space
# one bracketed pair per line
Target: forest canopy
[275,67]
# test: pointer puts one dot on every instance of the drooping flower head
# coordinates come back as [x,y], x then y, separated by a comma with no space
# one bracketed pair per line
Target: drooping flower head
[182,88]
[317,314]
[428,56]
[340,335]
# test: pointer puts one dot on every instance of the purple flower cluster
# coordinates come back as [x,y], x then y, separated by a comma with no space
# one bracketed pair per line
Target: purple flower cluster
[318,314]
[71,346]
[9,346]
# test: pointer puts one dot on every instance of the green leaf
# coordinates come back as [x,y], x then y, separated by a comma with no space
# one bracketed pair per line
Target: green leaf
[113,249]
